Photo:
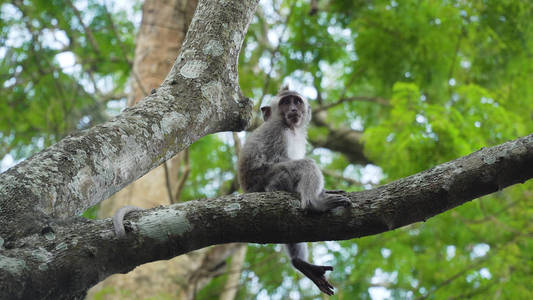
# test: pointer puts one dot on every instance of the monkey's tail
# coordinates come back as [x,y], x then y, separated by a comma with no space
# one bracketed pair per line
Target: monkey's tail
[118,219]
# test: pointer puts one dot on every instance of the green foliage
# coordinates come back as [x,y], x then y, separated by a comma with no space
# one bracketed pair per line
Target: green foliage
[42,100]
[211,168]
[91,212]
[454,76]
[471,120]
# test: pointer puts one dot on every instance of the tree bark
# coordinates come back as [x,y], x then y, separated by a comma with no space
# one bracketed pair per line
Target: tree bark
[199,96]
[65,259]
[161,34]
[162,31]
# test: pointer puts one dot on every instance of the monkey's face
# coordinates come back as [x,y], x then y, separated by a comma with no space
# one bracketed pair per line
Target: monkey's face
[292,110]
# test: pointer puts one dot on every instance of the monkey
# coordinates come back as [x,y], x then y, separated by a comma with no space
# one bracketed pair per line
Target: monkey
[273,159]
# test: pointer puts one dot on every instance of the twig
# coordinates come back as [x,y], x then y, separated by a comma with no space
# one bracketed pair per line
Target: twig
[87,30]
[112,96]
[124,52]
[340,176]
[377,100]
[167,183]
[237,143]
[184,176]
[274,54]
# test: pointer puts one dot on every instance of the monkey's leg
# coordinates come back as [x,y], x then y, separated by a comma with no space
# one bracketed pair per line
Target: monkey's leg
[311,188]
[118,219]
[304,177]
[298,255]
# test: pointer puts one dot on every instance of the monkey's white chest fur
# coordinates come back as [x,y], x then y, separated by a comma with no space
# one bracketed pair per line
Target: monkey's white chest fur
[295,144]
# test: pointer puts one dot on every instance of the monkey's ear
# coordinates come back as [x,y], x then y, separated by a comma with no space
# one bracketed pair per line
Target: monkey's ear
[285,88]
[267,112]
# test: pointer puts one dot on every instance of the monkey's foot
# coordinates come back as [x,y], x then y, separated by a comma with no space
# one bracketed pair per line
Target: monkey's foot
[315,273]
[332,201]
[327,202]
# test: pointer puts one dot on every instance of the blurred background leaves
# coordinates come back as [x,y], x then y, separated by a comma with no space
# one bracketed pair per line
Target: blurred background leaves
[396,87]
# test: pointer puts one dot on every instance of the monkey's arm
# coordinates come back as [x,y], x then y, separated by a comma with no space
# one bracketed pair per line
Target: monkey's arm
[118,219]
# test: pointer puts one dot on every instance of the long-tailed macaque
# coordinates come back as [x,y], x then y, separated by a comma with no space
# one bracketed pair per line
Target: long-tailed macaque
[273,159]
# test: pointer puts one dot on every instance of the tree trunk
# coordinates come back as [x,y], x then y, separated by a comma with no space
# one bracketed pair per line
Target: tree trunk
[162,31]
[89,166]
[235,269]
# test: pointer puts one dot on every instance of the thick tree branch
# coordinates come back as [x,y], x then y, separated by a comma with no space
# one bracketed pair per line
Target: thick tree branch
[342,139]
[86,251]
[200,95]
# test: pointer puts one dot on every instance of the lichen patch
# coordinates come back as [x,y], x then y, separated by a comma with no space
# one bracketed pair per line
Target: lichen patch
[171,121]
[12,265]
[213,48]
[237,39]
[193,68]
[41,254]
[232,209]
[212,91]
[163,223]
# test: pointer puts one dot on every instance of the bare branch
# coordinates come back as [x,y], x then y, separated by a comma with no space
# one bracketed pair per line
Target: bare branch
[87,30]
[339,176]
[376,100]
[342,139]
[111,96]
[183,178]
[87,248]
[167,183]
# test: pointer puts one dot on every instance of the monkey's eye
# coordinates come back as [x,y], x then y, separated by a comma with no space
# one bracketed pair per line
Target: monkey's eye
[298,100]
[284,101]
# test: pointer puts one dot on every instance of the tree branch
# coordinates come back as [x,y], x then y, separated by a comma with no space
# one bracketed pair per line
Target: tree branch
[342,139]
[85,251]
[377,100]
[183,177]
[199,96]
[337,175]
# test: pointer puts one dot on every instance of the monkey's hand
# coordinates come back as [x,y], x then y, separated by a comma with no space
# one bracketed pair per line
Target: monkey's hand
[118,219]
[316,274]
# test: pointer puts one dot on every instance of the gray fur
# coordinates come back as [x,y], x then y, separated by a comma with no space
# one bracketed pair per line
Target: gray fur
[272,159]
[118,219]
[297,250]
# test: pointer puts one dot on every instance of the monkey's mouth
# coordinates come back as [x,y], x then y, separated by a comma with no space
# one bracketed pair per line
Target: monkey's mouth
[294,117]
